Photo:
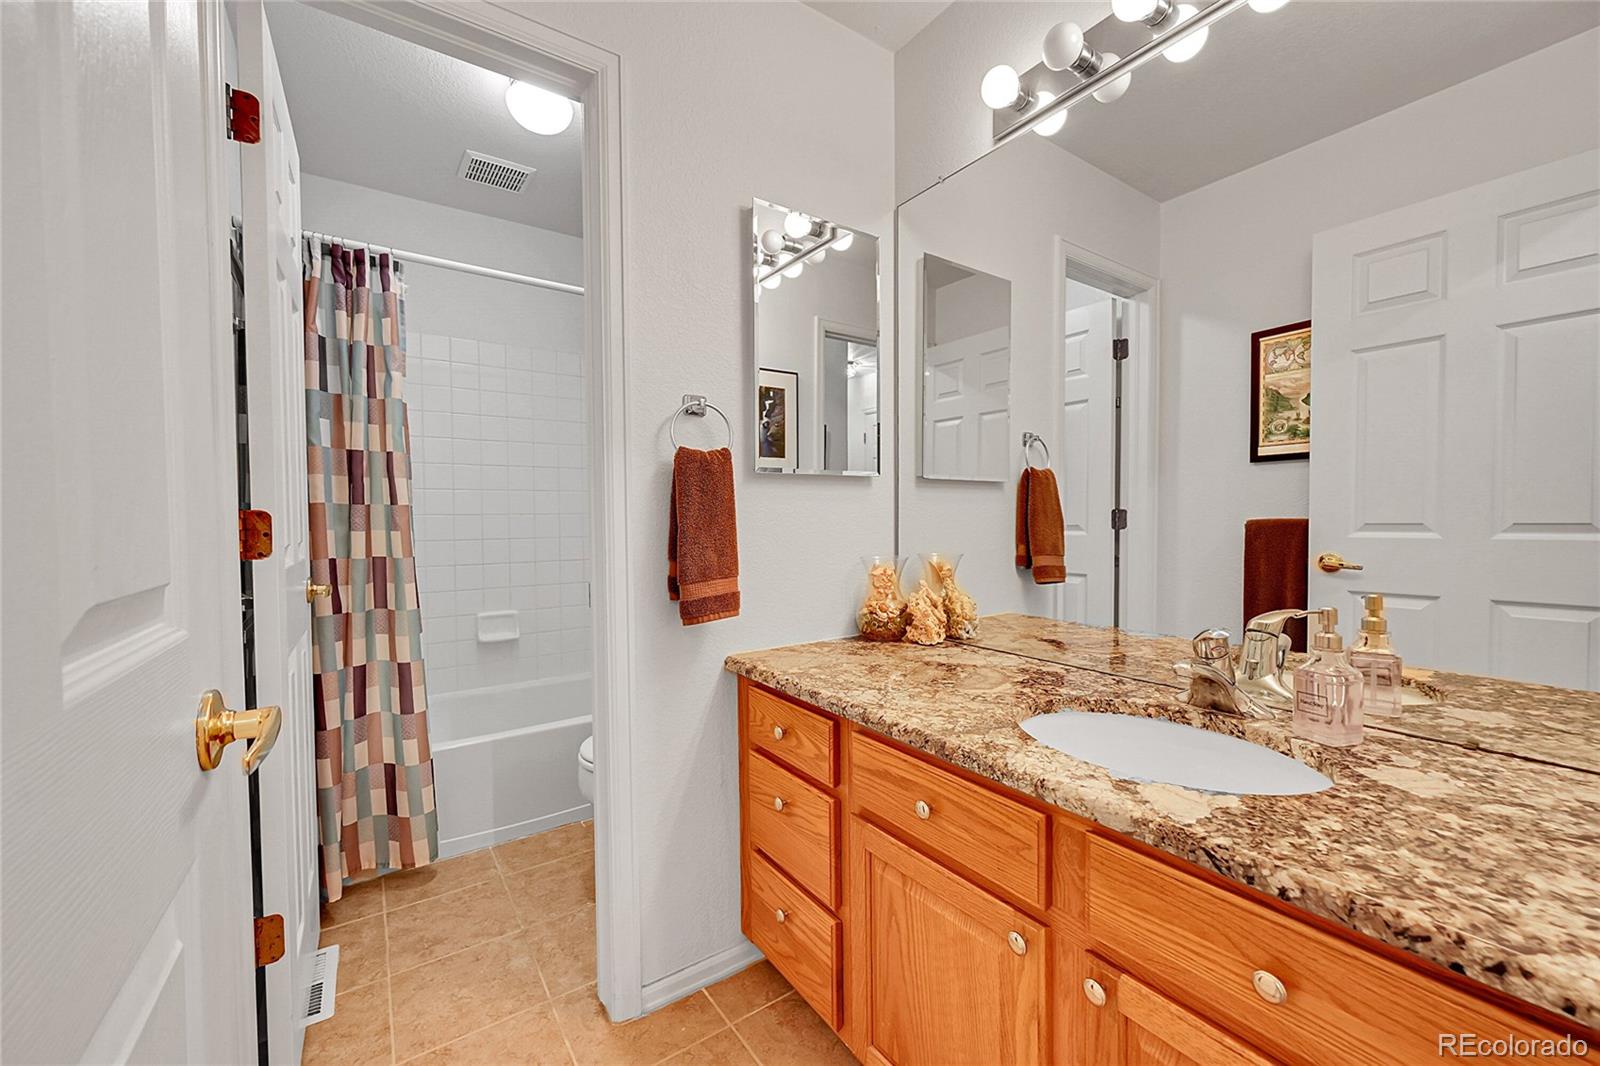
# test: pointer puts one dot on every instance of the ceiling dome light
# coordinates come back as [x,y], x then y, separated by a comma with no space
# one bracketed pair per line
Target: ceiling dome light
[1190,46]
[772,241]
[1133,10]
[1113,92]
[1052,125]
[1001,88]
[1266,7]
[796,225]
[1064,46]
[538,110]
[843,241]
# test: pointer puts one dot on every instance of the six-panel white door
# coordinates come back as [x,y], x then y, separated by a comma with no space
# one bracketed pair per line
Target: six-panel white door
[1082,459]
[127,916]
[1456,445]
[966,419]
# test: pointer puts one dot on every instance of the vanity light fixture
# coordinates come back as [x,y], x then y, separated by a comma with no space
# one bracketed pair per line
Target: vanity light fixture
[1066,49]
[1164,13]
[538,110]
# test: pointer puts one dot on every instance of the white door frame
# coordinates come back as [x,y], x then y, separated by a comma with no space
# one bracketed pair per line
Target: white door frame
[491,36]
[1140,416]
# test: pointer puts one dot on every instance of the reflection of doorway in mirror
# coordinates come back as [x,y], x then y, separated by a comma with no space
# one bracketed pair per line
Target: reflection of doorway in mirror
[1084,455]
[847,401]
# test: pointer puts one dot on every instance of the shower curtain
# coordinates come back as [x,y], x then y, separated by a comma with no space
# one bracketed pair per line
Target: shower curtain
[375,798]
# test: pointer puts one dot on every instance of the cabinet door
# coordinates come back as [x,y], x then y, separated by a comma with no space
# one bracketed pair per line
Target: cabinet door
[948,974]
[1129,1024]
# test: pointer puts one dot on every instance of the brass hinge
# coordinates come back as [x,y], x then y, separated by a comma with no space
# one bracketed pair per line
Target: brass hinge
[269,939]
[244,115]
[255,535]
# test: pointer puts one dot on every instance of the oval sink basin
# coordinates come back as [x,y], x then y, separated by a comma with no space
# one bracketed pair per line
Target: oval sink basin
[1156,750]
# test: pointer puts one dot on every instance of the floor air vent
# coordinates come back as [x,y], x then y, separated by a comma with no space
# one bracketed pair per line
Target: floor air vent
[324,983]
[498,173]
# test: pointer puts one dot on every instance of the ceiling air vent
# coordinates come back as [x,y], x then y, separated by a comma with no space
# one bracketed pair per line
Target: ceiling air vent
[499,173]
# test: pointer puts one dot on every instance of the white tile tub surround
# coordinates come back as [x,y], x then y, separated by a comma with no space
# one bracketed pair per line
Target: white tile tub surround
[500,474]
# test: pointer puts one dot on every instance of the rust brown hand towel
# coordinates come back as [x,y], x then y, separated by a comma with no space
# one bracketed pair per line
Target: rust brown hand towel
[1041,533]
[1275,570]
[703,537]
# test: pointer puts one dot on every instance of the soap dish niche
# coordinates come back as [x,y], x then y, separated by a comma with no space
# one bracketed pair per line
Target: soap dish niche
[497,627]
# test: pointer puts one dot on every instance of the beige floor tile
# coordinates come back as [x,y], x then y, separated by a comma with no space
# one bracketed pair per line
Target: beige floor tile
[425,882]
[363,951]
[571,839]
[461,993]
[789,1033]
[565,948]
[749,990]
[358,901]
[532,1038]
[553,888]
[597,1042]
[358,1032]
[723,1049]
[455,920]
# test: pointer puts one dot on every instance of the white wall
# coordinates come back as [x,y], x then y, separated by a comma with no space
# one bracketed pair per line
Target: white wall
[1236,258]
[707,126]
[1002,216]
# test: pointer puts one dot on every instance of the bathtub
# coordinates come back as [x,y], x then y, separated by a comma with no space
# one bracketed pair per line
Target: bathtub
[505,760]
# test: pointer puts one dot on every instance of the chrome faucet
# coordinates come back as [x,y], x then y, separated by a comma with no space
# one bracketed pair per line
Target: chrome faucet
[1263,659]
[1212,680]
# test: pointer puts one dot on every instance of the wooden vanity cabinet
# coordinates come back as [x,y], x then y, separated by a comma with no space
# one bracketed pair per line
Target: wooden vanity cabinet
[933,918]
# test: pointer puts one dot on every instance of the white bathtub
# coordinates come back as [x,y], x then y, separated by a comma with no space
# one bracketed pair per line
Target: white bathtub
[505,760]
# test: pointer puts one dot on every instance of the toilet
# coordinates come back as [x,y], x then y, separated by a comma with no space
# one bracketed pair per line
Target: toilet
[586,768]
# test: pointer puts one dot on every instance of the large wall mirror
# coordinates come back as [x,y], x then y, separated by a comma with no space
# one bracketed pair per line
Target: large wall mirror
[1356,292]
[815,405]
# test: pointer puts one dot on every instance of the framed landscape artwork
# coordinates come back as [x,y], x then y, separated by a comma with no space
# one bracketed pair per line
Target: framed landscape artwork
[1280,393]
[777,420]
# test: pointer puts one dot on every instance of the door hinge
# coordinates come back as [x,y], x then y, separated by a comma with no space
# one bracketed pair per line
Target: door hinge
[269,939]
[1119,518]
[1119,349]
[255,535]
[244,115]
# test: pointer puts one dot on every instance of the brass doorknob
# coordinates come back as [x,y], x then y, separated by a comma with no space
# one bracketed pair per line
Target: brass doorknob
[215,727]
[1333,562]
[313,590]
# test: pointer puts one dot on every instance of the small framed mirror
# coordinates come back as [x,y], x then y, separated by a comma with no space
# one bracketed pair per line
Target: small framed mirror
[965,349]
[817,388]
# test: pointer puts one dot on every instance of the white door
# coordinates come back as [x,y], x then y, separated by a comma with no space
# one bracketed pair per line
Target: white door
[1082,457]
[275,356]
[1456,427]
[966,388]
[127,916]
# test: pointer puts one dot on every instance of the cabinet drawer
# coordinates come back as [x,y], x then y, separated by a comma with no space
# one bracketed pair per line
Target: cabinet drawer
[996,838]
[1342,1004]
[804,943]
[804,739]
[795,823]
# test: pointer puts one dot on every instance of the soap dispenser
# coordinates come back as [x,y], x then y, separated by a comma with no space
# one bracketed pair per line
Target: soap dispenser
[1327,689]
[1375,657]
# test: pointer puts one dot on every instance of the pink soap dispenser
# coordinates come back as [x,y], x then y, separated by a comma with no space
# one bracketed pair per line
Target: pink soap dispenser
[1327,689]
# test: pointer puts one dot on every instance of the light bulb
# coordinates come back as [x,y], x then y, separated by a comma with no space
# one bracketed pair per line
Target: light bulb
[773,282]
[793,271]
[819,256]
[538,110]
[1052,125]
[1133,10]
[1112,92]
[772,242]
[843,241]
[1190,46]
[1001,87]
[1266,7]
[1063,44]
[796,225]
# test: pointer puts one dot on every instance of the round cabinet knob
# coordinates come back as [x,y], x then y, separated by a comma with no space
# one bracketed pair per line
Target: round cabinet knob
[1019,945]
[781,916]
[1093,992]
[777,803]
[777,732]
[923,812]
[1269,987]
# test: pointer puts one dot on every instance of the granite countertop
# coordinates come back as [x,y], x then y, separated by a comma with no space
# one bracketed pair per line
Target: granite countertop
[1483,862]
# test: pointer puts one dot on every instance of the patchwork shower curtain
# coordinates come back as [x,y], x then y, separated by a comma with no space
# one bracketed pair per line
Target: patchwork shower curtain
[375,797]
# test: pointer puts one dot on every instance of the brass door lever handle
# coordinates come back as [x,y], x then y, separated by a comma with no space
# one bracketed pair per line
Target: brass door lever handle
[1333,562]
[215,727]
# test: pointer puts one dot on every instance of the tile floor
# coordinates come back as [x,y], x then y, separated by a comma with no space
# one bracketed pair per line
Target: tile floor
[488,959]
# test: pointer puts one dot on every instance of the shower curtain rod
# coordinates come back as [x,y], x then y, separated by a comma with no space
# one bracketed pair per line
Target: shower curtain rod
[451,264]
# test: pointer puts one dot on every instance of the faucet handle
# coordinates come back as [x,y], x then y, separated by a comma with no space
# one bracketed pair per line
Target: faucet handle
[1211,648]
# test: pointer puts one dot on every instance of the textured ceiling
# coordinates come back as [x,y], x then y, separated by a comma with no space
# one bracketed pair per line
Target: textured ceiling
[1267,84]
[889,24]
[378,111]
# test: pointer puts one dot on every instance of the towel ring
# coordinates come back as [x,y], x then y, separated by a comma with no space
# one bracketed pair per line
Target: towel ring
[696,406]
[1028,441]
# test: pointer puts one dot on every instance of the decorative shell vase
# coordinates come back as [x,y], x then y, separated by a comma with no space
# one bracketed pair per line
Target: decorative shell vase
[883,605]
[960,609]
